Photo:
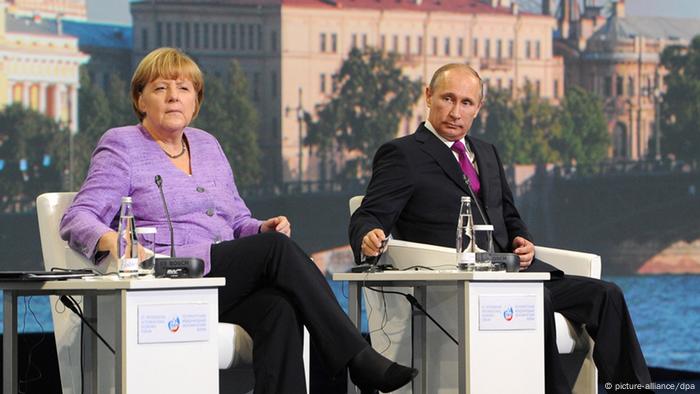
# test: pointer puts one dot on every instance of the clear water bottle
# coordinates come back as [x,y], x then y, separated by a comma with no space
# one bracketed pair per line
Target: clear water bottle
[466,254]
[127,242]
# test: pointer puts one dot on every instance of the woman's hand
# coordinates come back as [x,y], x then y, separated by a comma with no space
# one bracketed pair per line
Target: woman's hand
[279,224]
[108,243]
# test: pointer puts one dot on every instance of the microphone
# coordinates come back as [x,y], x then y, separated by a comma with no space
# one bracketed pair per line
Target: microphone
[476,199]
[175,267]
[159,183]
[509,262]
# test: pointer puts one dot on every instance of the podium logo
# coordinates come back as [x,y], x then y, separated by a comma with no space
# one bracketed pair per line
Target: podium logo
[174,324]
[508,314]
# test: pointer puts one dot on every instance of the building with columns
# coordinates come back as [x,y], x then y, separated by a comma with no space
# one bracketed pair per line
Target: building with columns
[68,9]
[618,58]
[290,50]
[39,68]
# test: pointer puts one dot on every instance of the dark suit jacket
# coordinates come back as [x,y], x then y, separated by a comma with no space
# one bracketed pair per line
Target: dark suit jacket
[415,193]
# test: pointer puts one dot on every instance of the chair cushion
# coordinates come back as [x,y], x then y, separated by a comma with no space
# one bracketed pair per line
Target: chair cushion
[570,338]
[235,346]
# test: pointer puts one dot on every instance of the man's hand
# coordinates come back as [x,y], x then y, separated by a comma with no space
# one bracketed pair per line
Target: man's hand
[525,250]
[279,224]
[372,242]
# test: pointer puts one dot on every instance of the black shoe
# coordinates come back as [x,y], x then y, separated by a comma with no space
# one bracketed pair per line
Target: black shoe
[370,370]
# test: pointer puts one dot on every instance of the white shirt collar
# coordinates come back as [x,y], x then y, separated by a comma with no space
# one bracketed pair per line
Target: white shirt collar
[470,154]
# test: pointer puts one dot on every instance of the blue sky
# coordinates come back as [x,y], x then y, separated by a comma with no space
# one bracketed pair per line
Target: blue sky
[117,11]
[673,8]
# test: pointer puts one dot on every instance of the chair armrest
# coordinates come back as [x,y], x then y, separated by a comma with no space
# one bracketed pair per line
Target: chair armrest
[75,260]
[571,262]
[235,346]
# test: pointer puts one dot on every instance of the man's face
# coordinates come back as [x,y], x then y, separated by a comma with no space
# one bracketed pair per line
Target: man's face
[454,103]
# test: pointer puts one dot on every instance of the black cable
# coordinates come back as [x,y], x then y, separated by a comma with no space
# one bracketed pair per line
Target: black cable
[382,325]
[27,380]
[423,267]
[369,310]
[417,268]
[82,366]
[24,339]
[413,340]
[82,359]
[414,303]
[86,271]
[71,304]
[77,271]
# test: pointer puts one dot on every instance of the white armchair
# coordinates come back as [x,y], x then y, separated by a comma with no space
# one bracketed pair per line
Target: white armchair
[235,345]
[388,320]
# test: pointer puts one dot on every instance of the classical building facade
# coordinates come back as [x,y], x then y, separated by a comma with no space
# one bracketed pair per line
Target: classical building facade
[109,47]
[39,68]
[69,9]
[290,50]
[618,58]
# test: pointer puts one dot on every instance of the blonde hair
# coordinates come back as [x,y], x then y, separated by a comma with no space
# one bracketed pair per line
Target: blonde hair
[168,63]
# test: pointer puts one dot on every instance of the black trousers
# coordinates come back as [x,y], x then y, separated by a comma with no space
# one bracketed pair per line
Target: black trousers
[602,308]
[272,288]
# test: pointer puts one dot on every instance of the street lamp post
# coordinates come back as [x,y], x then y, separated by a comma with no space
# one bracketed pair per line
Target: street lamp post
[630,130]
[71,169]
[657,123]
[300,119]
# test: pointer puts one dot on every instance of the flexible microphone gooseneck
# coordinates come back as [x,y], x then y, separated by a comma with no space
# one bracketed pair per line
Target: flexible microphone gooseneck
[159,183]
[511,261]
[476,199]
[175,267]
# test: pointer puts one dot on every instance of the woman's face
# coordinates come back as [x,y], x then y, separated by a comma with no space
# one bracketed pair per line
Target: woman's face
[168,104]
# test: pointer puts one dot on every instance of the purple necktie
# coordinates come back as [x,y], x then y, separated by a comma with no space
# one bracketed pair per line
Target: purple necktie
[467,167]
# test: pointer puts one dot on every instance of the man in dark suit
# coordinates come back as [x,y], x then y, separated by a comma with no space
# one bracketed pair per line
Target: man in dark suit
[414,194]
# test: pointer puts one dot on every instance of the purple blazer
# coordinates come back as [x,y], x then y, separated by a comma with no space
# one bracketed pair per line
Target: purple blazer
[205,207]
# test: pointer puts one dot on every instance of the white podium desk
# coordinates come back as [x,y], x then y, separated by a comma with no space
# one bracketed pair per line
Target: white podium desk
[144,361]
[500,326]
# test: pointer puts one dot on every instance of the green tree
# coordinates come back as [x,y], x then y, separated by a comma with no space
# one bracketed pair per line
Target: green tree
[370,99]
[532,130]
[584,136]
[228,113]
[680,113]
[94,118]
[541,126]
[504,119]
[99,110]
[34,150]
[119,99]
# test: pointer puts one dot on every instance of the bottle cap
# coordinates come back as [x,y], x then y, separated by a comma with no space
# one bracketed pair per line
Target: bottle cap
[126,199]
[466,199]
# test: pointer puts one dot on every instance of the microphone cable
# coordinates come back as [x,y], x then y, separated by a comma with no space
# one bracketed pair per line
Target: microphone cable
[415,304]
[72,304]
[30,364]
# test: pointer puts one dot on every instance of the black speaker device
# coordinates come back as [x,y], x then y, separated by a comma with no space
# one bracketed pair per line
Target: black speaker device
[510,262]
[179,267]
[175,267]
